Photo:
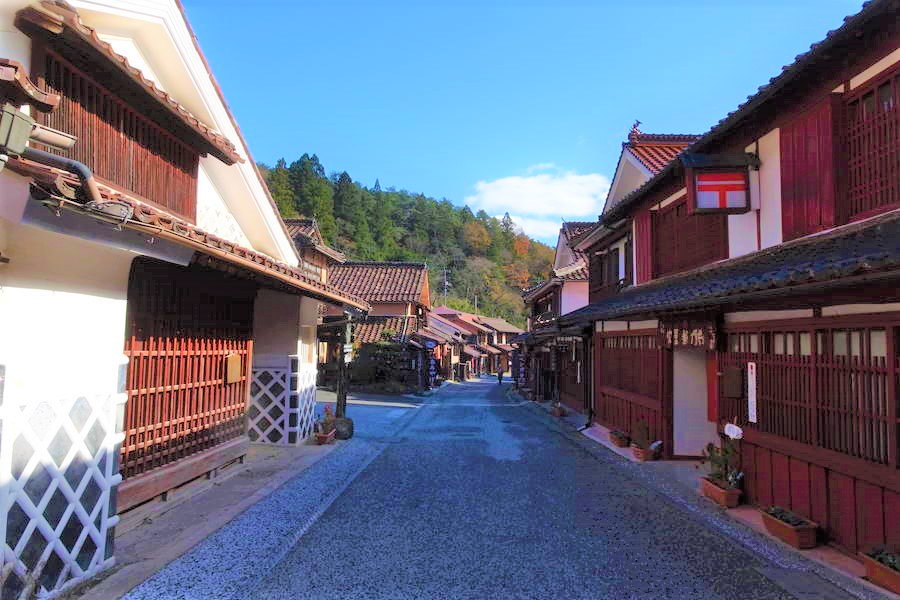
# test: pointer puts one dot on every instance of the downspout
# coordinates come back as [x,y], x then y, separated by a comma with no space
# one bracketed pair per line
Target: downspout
[67,164]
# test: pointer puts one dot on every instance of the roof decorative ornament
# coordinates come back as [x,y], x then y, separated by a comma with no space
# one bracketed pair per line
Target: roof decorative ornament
[635,132]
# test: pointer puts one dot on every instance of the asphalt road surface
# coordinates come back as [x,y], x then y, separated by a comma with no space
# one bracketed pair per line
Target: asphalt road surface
[475,494]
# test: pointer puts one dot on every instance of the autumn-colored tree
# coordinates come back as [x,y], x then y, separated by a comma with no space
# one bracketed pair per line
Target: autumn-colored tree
[476,237]
[517,275]
[521,245]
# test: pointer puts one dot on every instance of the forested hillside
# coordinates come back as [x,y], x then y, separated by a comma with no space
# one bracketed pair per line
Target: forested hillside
[486,260]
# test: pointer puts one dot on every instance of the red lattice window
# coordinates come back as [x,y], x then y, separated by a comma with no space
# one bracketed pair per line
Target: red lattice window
[120,145]
[826,386]
[873,146]
[182,325]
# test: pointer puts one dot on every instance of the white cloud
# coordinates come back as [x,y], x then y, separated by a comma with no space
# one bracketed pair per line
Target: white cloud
[543,229]
[542,198]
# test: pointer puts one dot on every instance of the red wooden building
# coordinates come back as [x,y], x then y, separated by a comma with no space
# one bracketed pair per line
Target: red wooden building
[764,286]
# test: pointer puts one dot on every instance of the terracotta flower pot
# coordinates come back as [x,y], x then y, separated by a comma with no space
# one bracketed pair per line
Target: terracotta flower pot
[642,454]
[881,574]
[618,440]
[721,494]
[801,537]
[325,438]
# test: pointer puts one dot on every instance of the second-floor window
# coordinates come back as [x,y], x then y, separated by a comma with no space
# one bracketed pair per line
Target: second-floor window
[873,146]
[681,241]
[120,145]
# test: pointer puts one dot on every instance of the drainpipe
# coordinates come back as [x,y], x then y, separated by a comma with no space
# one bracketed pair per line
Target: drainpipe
[67,164]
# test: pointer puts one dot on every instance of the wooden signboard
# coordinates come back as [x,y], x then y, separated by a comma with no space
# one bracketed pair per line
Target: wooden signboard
[688,333]
[233,372]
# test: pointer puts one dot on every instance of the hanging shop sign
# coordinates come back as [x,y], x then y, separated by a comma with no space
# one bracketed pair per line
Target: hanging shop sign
[688,333]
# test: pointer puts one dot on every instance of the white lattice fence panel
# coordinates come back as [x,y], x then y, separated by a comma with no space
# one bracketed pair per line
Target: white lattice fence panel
[303,398]
[267,416]
[59,464]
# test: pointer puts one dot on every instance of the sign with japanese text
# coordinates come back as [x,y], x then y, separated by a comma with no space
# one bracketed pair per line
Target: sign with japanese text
[688,334]
[751,392]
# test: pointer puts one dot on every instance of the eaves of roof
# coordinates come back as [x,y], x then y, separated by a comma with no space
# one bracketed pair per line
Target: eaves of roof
[63,187]
[866,251]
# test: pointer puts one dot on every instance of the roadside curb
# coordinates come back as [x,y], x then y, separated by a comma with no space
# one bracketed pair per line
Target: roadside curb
[705,513]
[232,559]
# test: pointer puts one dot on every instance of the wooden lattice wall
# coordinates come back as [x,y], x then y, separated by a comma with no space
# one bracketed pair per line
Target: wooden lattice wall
[182,325]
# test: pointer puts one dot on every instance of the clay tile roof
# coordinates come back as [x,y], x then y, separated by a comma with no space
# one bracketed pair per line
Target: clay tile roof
[64,187]
[59,24]
[373,329]
[381,281]
[499,324]
[866,251]
[574,229]
[17,87]
[305,234]
[656,150]
[579,274]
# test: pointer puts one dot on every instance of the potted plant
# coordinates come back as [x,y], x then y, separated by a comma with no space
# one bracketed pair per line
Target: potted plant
[883,567]
[723,484]
[641,446]
[324,427]
[619,439]
[790,528]
[558,410]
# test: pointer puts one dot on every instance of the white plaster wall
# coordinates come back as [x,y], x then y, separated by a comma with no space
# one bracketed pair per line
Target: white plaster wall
[691,429]
[574,295]
[62,307]
[62,332]
[276,324]
[859,309]
[768,184]
[767,315]
[213,215]
[742,234]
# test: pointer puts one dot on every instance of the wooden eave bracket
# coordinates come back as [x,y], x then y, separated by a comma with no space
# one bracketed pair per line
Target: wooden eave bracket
[58,24]
[17,88]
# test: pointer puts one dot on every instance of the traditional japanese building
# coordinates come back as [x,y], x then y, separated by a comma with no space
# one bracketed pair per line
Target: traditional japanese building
[155,316]
[763,286]
[554,362]
[501,339]
[400,300]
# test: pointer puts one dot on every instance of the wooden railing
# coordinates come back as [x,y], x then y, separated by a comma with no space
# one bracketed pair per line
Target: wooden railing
[120,145]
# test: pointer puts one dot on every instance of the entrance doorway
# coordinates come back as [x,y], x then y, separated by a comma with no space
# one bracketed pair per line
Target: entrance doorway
[692,430]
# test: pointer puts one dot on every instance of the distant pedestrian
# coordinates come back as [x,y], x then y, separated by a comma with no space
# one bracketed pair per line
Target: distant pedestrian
[499,377]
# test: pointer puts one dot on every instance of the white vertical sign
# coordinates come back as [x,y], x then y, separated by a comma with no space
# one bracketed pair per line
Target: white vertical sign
[751,392]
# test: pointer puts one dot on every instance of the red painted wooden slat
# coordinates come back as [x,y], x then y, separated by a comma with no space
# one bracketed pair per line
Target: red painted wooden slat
[183,322]
[892,517]
[764,476]
[643,247]
[818,486]
[870,515]
[748,465]
[781,480]
[842,510]
[120,145]
[800,488]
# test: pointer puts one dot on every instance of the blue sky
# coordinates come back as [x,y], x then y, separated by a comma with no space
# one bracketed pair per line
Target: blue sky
[509,106]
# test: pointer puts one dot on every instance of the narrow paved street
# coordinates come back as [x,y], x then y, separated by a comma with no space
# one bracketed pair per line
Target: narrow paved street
[474,495]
